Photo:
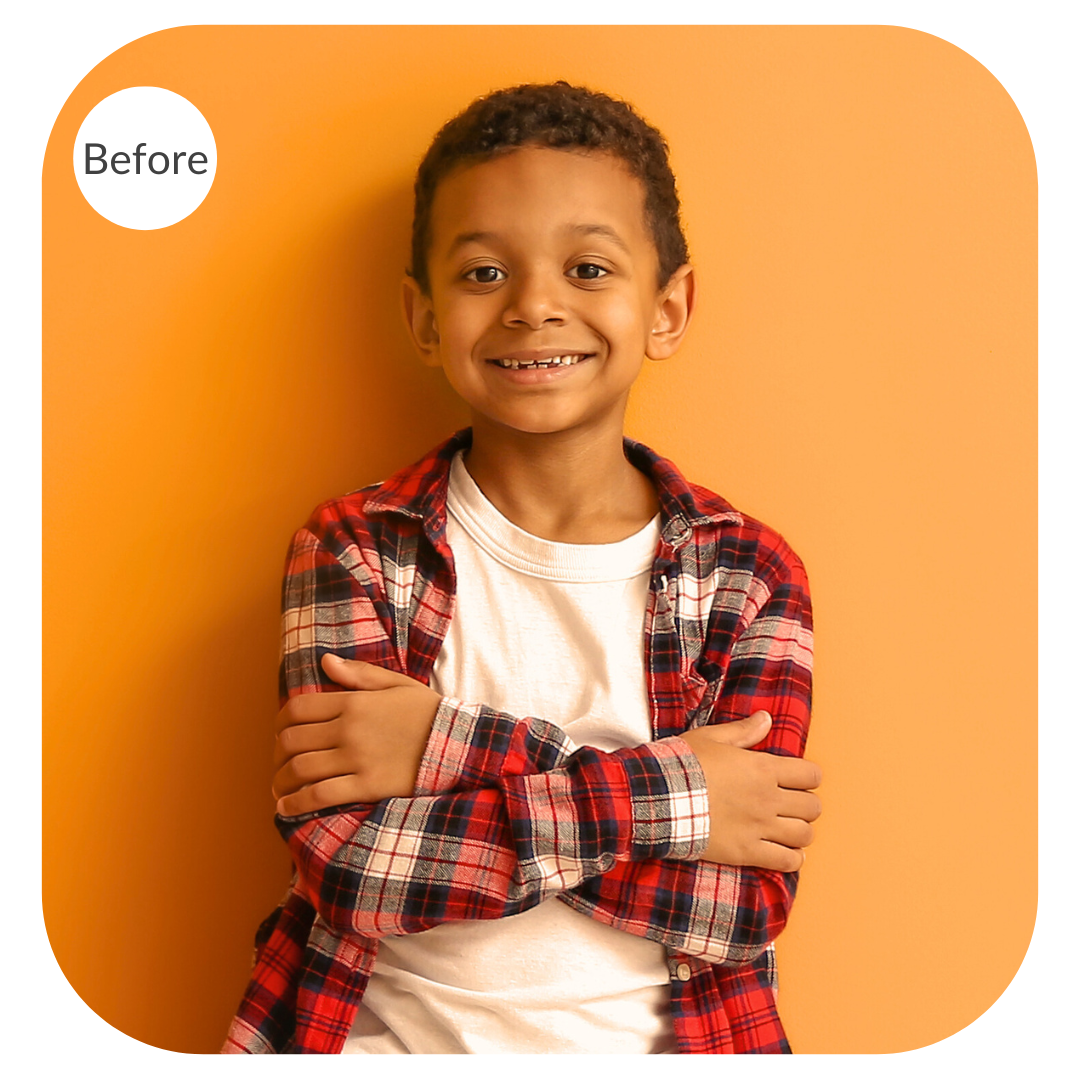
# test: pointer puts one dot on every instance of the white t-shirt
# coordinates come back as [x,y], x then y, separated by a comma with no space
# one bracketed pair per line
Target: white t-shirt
[556,631]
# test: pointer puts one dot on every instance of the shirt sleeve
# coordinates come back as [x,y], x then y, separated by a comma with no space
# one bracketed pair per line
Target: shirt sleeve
[405,865]
[727,914]
[723,914]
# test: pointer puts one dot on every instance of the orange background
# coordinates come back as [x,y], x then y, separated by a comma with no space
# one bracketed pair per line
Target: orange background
[861,206]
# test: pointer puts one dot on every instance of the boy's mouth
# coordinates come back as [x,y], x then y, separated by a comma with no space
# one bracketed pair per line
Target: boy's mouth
[566,360]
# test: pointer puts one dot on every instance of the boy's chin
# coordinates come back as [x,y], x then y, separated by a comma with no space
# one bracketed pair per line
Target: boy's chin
[552,426]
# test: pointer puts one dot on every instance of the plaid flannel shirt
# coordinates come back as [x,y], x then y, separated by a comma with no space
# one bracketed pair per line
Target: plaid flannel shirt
[506,812]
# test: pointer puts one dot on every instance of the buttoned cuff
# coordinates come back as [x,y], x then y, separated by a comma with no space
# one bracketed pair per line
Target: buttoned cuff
[670,801]
[473,745]
[447,747]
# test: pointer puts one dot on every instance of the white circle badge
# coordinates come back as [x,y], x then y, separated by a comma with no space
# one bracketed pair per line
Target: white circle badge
[145,157]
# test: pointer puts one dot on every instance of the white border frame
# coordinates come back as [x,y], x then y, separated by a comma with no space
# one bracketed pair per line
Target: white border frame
[567,12]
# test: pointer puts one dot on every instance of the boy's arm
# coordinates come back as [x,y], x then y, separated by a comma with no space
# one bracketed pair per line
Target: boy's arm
[723,913]
[726,914]
[406,864]
[365,745]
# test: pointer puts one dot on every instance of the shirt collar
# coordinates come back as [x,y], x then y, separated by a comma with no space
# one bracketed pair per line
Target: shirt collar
[419,491]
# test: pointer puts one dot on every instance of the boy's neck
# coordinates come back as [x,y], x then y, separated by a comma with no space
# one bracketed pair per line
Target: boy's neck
[570,487]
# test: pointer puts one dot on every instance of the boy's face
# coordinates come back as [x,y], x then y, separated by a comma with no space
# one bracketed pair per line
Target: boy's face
[539,254]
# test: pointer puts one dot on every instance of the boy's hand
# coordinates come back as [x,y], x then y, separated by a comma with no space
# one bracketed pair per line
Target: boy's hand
[363,745]
[760,805]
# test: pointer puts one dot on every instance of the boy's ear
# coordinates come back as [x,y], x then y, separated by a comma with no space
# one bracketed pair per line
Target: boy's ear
[674,307]
[420,320]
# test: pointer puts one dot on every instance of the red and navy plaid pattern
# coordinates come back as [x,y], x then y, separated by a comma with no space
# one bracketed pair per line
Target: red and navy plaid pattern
[506,813]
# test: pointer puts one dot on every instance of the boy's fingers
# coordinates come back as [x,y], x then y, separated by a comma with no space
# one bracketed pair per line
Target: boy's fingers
[770,856]
[743,733]
[309,768]
[804,805]
[790,832]
[338,791]
[303,738]
[311,709]
[797,773]
[360,675]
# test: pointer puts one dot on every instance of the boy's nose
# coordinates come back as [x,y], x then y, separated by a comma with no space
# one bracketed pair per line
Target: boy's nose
[533,300]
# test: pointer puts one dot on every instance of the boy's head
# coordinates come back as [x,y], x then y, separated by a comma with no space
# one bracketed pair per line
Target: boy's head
[563,117]
[548,258]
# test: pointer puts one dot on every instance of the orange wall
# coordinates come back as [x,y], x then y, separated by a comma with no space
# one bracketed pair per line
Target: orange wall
[861,204]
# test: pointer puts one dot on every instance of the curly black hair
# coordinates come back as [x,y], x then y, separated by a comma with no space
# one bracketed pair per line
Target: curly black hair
[559,116]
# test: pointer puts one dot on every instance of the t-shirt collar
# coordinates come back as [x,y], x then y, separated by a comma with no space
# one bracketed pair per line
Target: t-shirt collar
[419,491]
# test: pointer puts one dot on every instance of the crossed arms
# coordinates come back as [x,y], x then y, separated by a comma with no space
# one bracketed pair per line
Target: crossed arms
[404,809]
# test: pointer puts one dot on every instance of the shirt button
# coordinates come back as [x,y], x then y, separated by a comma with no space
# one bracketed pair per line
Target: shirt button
[682,972]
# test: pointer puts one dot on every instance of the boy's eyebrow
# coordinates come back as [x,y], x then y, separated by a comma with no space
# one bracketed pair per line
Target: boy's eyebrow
[471,238]
[606,232]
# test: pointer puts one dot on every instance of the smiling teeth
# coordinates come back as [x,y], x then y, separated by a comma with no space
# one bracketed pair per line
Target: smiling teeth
[554,361]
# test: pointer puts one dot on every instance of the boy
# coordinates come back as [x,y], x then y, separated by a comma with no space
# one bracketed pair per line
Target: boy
[608,878]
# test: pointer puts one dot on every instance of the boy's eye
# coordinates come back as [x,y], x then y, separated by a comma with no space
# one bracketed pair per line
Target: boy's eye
[485,275]
[587,271]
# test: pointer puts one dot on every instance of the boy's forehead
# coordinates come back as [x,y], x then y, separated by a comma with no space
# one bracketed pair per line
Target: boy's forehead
[568,191]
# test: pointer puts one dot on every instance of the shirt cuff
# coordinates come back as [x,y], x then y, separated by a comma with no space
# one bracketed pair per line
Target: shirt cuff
[472,746]
[670,801]
[669,805]
[448,746]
